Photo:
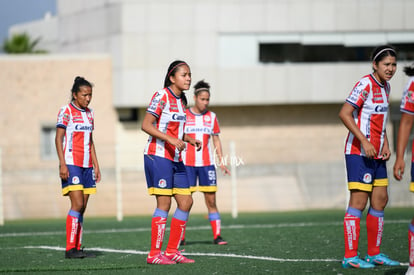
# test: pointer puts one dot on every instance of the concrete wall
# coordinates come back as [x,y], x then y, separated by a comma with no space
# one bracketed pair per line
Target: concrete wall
[33,88]
[220,40]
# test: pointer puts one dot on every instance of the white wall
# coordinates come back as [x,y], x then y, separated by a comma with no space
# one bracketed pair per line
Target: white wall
[219,39]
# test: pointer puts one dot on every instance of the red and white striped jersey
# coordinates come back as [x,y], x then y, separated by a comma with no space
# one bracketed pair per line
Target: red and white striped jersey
[170,119]
[201,127]
[370,99]
[79,124]
[407,102]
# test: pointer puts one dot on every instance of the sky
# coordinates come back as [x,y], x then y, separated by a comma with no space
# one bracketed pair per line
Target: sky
[18,11]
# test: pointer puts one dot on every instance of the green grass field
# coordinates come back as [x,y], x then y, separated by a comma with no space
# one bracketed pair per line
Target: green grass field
[259,243]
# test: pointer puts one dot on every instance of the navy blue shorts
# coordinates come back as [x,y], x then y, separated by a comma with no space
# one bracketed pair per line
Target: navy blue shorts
[80,178]
[165,177]
[206,176]
[364,173]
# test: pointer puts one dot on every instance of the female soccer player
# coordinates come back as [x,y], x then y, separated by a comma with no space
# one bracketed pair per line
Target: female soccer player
[202,124]
[406,123]
[78,164]
[366,151]
[164,170]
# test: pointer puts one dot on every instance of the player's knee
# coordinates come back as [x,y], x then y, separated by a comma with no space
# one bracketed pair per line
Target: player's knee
[185,203]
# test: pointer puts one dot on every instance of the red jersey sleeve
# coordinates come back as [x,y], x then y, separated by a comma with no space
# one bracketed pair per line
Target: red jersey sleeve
[157,104]
[407,102]
[359,93]
[63,117]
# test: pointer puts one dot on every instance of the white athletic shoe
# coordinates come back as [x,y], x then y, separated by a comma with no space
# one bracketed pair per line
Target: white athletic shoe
[410,271]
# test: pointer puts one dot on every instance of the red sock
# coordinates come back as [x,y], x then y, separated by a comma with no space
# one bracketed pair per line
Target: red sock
[71,232]
[80,234]
[411,246]
[351,234]
[216,227]
[177,229]
[375,226]
[183,235]
[157,234]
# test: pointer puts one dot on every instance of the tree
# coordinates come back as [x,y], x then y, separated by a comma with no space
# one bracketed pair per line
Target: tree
[21,43]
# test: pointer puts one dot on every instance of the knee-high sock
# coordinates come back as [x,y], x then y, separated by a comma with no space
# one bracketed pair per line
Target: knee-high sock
[215,222]
[72,221]
[375,226]
[352,221]
[80,232]
[411,243]
[178,223]
[158,222]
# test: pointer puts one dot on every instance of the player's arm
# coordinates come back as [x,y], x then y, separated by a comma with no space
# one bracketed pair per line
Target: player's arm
[95,163]
[404,131]
[149,128]
[219,152]
[63,169]
[345,114]
[195,142]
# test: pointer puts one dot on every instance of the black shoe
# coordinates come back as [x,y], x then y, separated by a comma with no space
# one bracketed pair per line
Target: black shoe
[87,254]
[182,242]
[219,240]
[74,254]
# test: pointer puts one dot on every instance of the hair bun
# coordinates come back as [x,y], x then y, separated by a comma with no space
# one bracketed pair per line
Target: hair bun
[79,78]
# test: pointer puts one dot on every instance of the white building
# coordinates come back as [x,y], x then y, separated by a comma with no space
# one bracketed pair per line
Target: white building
[279,70]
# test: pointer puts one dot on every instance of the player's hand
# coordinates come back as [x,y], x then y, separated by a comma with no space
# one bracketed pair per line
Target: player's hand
[97,174]
[385,155]
[369,149]
[178,143]
[225,170]
[197,144]
[63,172]
[399,169]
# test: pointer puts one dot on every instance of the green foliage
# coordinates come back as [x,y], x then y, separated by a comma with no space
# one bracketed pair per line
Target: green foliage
[307,242]
[21,43]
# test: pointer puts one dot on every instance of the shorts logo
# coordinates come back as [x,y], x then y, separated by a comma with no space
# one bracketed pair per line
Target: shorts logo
[367,178]
[162,183]
[75,180]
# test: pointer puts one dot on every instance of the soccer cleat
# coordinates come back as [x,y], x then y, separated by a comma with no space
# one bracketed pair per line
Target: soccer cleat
[179,258]
[219,240]
[159,259]
[87,254]
[355,262]
[74,254]
[381,259]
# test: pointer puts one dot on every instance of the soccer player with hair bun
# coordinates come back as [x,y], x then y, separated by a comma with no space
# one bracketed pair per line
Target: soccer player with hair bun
[78,164]
[406,123]
[364,114]
[202,124]
[164,169]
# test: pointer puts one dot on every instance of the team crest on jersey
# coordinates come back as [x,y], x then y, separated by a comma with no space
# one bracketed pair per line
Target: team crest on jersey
[75,180]
[377,95]
[90,118]
[367,178]
[162,183]
[410,96]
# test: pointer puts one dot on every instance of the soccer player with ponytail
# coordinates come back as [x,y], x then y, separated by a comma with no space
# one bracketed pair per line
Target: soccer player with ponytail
[364,114]
[165,173]
[78,164]
[406,123]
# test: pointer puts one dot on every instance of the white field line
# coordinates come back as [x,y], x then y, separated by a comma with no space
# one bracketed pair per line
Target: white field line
[138,252]
[207,227]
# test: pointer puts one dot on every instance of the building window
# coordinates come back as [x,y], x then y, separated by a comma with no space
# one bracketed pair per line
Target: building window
[128,114]
[48,149]
[296,52]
